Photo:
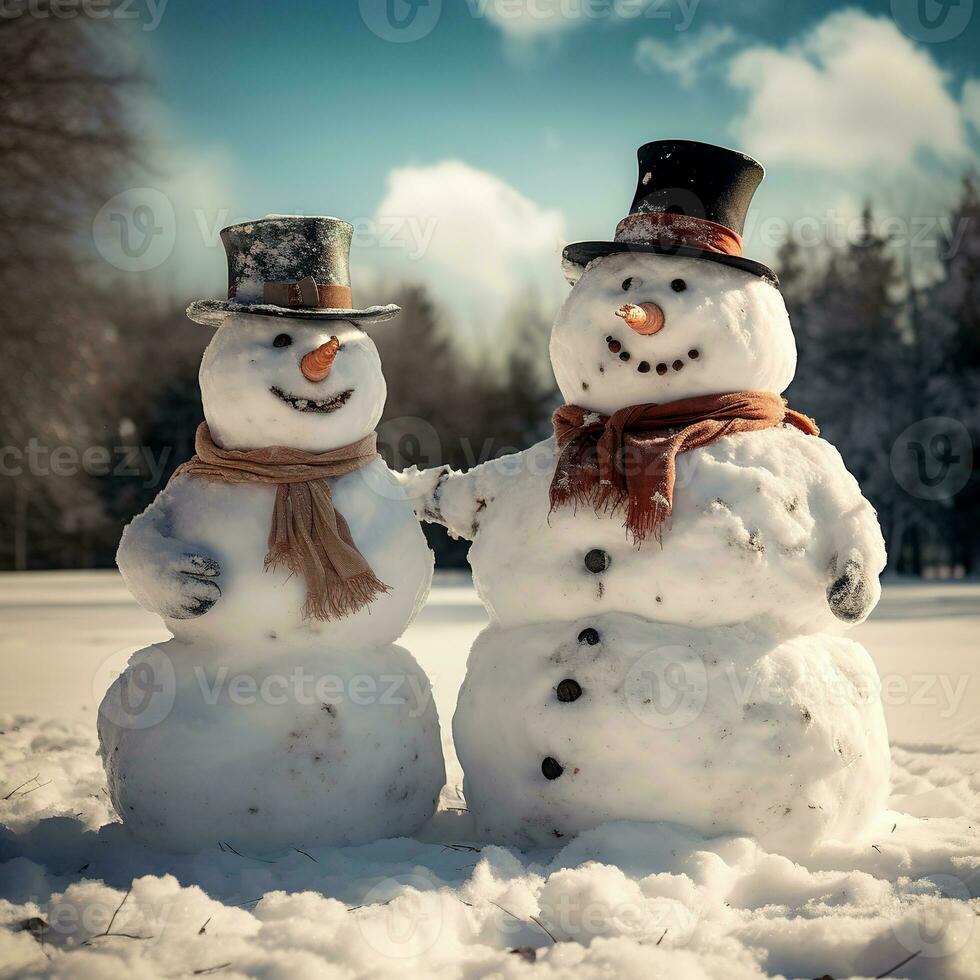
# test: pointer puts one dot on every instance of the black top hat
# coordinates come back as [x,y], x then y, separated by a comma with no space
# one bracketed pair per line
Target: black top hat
[288,265]
[691,199]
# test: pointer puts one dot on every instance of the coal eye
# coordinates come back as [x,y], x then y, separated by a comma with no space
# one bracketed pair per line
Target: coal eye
[282,340]
[630,281]
[678,285]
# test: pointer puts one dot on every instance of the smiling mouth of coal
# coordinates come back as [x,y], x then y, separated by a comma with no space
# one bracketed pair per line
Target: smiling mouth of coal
[617,349]
[322,405]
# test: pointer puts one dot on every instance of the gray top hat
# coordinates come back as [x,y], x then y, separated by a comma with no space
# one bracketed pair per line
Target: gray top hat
[289,266]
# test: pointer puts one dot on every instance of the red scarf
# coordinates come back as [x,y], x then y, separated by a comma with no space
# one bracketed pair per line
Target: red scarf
[629,458]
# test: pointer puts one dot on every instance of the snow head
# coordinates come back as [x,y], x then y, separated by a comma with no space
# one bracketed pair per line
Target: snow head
[708,329]
[314,385]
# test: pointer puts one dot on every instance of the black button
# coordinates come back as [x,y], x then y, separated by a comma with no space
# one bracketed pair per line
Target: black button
[569,690]
[589,635]
[551,768]
[597,561]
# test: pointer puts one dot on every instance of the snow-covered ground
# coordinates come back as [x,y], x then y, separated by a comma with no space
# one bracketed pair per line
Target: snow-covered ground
[79,899]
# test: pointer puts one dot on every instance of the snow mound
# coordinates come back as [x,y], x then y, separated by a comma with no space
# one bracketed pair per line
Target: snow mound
[79,897]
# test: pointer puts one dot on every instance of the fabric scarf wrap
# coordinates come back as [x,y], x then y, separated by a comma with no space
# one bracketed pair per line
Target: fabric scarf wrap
[308,536]
[628,460]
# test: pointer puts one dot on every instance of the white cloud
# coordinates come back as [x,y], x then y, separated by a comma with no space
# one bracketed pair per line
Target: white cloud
[686,56]
[855,93]
[526,21]
[472,238]
[530,20]
[971,102]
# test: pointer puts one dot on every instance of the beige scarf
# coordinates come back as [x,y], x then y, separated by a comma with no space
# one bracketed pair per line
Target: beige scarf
[308,535]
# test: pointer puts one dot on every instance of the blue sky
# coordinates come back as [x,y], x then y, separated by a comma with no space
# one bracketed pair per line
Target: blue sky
[526,114]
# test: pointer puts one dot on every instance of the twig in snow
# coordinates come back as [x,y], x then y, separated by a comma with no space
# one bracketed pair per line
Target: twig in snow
[203,928]
[112,921]
[33,789]
[22,785]
[109,934]
[210,969]
[461,847]
[33,779]
[300,850]
[877,848]
[533,918]
[661,939]
[225,846]
[891,970]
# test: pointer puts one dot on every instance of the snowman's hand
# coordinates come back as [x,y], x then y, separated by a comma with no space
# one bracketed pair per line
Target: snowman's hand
[422,490]
[194,589]
[849,594]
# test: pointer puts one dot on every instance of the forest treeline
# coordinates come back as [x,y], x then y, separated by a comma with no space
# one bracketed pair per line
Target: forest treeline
[100,399]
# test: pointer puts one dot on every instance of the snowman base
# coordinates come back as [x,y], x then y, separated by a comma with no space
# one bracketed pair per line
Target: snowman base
[329,748]
[566,725]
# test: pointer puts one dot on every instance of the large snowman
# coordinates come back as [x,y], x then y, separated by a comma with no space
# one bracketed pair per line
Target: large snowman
[669,576]
[286,560]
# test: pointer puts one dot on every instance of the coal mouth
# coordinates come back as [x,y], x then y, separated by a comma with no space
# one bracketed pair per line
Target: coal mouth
[321,406]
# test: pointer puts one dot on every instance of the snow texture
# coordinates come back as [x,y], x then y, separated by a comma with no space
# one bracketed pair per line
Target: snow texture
[625,899]
[196,557]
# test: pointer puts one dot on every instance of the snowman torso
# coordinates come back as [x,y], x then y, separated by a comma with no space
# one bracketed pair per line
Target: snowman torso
[751,538]
[231,523]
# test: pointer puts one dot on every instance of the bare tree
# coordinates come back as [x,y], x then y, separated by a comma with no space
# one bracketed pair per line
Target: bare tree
[65,138]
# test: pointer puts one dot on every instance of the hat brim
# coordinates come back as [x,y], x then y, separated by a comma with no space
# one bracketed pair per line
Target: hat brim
[211,312]
[582,253]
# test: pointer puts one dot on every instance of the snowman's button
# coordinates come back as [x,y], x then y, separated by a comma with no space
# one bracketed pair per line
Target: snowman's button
[568,690]
[589,635]
[597,561]
[551,768]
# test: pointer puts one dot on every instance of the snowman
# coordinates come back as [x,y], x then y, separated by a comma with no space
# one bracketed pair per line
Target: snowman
[286,559]
[669,576]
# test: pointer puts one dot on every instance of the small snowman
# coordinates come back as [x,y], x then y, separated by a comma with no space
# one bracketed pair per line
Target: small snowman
[669,575]
[286,559]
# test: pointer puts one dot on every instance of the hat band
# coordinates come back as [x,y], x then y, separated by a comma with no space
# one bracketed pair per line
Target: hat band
[663,228]
[308,294]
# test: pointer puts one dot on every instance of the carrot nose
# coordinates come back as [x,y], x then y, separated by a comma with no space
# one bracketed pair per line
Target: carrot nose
[317,363]
[645,318]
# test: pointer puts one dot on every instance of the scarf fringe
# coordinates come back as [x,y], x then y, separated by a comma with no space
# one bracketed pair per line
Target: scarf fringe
[355,594]
[640,522]
[337,602]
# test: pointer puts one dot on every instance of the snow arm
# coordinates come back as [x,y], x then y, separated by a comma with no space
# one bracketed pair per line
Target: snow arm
[165,575]
[856,550]
[457,500]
